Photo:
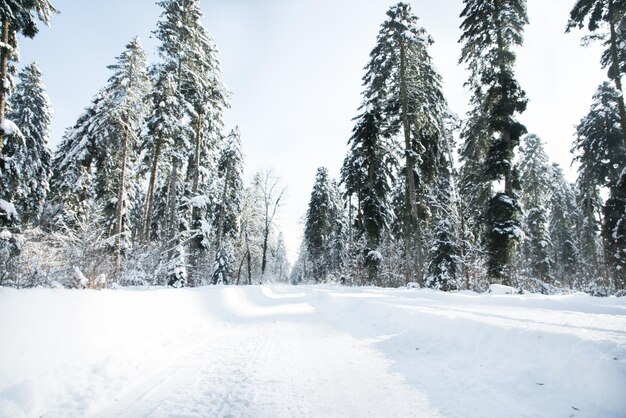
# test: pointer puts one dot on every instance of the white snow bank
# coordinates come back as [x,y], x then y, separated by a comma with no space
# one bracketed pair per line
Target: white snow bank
[309,351]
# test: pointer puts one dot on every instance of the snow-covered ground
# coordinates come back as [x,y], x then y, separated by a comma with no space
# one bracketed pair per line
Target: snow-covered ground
[309,351]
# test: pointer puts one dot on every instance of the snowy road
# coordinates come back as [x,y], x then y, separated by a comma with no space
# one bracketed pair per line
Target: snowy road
[309,351]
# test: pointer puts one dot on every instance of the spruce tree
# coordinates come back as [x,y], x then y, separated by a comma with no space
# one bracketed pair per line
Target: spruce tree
[598,147]
[402,74]
[614,232]
[536,183]
[368,171]
[563,223]
[190,63]
[319,225]
[18,17]
[29,153]
[490,32]
[71,185]
[227,210]
[115,135]
[600,15]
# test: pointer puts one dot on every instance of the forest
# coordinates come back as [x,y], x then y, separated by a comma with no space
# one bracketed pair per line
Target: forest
[148,188]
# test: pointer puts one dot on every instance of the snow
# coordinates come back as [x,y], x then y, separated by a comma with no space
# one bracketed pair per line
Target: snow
[8,127]
[294,351]
[8,208]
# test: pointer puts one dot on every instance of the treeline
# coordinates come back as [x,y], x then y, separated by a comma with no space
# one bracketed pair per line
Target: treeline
[411,205]
[148,186]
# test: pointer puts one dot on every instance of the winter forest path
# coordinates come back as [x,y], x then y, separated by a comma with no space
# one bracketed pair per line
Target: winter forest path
[275,359]
[309,351]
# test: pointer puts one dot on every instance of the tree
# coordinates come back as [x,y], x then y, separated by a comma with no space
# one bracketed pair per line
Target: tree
[115,134]
[71,185]
[600,15]
[401,73]
[598,147]
[368,171]
[228,208]
[599,151]
[490,31]
[563,223]
[17,17]
[271,197]
[319,225]
[614,232]
[29,153]
[536,183]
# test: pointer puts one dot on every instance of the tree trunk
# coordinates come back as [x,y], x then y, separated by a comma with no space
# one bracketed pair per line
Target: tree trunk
[172,207]
[4,69]
[249,260]
[220,223]
[266,235]
[119,229]
[147,225]
[194,245]
[616,72]
[413,268]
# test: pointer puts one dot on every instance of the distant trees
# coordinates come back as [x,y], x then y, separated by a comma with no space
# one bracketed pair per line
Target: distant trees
[145,187]
[148,186]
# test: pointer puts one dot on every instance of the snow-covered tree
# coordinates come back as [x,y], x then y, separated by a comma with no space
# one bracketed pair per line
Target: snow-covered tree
[606,20]
[614,232]
[563,223]
[319,225]
[71,185]
[536,183]
[490,32]
[17,17]
[401,75]
[227,209]
[598,147]
[29,154]
[115,134]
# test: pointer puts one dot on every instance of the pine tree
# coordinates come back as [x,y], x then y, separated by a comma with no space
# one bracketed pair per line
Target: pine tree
[563,224]
[71,185]
[190,63]
[589,205]
[444,258]
[18,17]
[598,147]
[228,207]
[536,184]
[599,16]
[490,31]
[368,171]
[29,153]
[474,190]
[401,72]
[599,151]
[319,225]
[115,134]
[614,232]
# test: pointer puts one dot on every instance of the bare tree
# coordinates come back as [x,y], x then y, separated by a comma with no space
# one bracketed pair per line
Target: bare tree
[272,193]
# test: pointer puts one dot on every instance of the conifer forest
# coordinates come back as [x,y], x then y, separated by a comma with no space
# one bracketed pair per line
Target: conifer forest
[147,187]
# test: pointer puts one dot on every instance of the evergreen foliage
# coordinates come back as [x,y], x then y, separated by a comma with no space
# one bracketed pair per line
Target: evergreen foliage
[27,153]
[490,32]
[536,183]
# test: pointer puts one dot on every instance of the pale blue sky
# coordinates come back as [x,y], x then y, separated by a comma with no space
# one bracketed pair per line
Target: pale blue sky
[295,67]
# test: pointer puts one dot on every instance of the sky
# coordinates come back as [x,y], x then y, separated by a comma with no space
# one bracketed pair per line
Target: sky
[294,69]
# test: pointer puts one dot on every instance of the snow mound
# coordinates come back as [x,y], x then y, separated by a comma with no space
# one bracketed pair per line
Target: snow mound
[499,289]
